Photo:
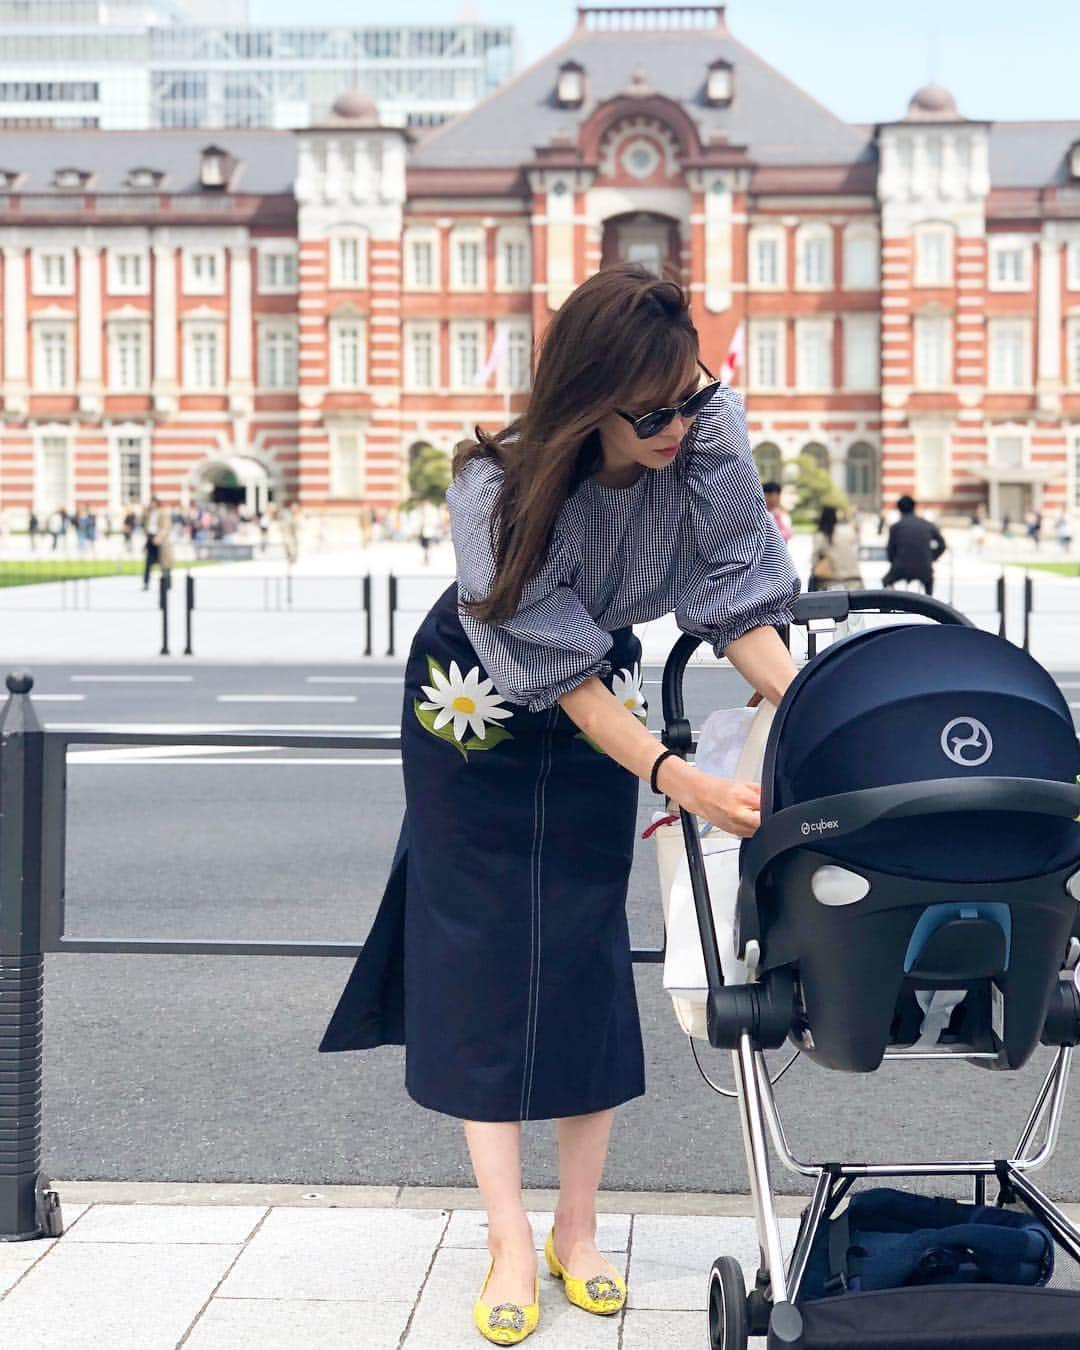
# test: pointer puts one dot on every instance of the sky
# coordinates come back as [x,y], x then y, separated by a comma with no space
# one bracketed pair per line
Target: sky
[862,58]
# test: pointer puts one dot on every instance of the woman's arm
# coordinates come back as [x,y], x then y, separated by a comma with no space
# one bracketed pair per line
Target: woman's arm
[763,661]
[600,715]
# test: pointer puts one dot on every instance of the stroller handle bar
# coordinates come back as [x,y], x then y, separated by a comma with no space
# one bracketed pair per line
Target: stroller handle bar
[828,818]
[806,609]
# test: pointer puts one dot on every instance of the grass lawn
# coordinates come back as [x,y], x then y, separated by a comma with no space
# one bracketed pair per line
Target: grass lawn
[35,571]
[1061,569]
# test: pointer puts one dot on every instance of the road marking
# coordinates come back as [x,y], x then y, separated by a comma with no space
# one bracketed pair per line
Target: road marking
[58,698]
[218,728]
[286,698]
[137,754]
[153,763]
[356,679]
[131,679]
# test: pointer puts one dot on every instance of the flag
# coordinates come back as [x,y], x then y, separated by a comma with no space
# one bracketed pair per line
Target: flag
[736,353]
[494,358]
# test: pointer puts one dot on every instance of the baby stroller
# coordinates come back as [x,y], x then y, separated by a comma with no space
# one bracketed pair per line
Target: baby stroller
[918,858]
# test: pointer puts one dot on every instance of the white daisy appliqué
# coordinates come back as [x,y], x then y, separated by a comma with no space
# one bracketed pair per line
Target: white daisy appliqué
[462,709]
[626,686]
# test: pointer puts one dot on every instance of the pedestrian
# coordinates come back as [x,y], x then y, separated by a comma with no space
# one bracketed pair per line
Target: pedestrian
[289,525]
[625,491]
[56,527]
[772,493]
[1063,532]
[427,516]
[978,528]
[367,525]
[835,553]
[915,544]
[33,525]
[157,527]
[264,528]
[1033,527]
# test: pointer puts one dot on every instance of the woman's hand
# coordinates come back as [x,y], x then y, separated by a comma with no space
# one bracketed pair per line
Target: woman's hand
[732,805]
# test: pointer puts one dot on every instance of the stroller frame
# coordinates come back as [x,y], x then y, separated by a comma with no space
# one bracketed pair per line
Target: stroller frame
[772,1307]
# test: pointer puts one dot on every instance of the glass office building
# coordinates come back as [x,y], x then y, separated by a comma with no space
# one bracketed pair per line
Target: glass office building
[114,64]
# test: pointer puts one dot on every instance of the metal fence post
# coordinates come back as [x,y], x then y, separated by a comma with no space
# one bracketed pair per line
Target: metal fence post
[367,614]
[164,581]
[29,1207]
[392,605]
[1029,605]
[1002,626]
[189,605]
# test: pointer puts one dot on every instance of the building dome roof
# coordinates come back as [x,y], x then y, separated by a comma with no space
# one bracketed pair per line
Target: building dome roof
[933,102]
[356,106]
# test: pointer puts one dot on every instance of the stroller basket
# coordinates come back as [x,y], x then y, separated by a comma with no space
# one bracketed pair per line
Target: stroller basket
[912,893]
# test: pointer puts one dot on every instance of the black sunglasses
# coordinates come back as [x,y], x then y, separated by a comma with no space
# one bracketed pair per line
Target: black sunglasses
[652,423]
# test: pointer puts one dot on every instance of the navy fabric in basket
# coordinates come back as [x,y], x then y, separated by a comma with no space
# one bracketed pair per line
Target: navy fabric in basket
[979,1317]
[888,1239]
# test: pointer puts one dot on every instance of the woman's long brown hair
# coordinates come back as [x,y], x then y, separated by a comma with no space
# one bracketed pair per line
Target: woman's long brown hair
[623,340]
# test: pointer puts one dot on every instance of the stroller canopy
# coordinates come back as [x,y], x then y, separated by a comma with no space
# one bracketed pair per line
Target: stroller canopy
[913,702]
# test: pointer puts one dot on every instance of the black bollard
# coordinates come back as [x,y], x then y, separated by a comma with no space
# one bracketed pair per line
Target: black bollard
[189,606]
[29,1207]
[391,596]
[164,582]
[367,614]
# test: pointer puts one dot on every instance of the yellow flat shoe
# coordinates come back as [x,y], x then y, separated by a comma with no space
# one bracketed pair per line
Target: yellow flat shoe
[506,1323]
[600,1294]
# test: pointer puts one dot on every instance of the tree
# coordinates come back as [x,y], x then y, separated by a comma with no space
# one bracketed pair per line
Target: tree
[429,475]
[815,489]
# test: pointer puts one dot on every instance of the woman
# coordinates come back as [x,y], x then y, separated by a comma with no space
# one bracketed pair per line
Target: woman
[500,954]
[836,554]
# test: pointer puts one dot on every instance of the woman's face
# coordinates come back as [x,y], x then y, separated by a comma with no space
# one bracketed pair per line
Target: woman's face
[625,454]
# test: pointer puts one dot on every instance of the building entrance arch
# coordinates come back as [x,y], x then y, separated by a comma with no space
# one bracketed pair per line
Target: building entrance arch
[239,480]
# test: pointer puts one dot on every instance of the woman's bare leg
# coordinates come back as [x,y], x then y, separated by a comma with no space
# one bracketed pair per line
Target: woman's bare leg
[583,1142]
[495,1149]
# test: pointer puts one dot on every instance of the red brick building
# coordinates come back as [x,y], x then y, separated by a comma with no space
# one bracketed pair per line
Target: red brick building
[291,312]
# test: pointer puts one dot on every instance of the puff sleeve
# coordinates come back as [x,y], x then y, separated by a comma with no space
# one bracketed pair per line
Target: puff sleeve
[744,576]
[552,644]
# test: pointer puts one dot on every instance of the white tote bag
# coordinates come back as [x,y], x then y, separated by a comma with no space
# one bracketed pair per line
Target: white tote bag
[731,745]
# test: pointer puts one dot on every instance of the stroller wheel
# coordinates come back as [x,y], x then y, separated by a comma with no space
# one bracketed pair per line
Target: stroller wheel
[727,1306]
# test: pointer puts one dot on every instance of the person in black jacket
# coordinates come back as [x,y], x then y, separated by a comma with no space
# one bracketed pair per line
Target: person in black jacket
[914,546]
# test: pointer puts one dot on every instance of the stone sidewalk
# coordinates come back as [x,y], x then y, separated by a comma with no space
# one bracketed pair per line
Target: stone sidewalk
[159,1266]
[153,1267]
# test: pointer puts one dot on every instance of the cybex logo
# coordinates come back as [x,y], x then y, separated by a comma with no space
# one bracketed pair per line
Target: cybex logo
[819,826]
[967,742]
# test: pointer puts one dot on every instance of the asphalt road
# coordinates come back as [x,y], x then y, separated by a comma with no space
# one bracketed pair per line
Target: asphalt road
[205,1068]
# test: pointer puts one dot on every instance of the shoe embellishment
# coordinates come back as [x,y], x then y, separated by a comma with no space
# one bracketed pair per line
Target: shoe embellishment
[506,1317]
[602,1287]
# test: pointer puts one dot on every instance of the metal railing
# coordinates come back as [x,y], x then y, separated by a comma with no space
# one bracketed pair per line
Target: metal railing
[1062,613]
[33,829]
[279,595]
[394,605]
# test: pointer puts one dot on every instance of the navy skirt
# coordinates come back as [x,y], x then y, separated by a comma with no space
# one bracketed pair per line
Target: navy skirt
[500,953]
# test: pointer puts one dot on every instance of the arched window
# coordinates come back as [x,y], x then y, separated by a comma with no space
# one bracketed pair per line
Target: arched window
[861,476]
[769,461]
[818,453]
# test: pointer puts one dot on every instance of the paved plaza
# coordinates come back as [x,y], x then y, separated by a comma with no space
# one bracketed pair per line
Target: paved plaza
[251,613]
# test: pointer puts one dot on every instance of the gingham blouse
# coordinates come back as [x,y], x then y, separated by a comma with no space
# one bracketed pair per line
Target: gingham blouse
[700,544]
